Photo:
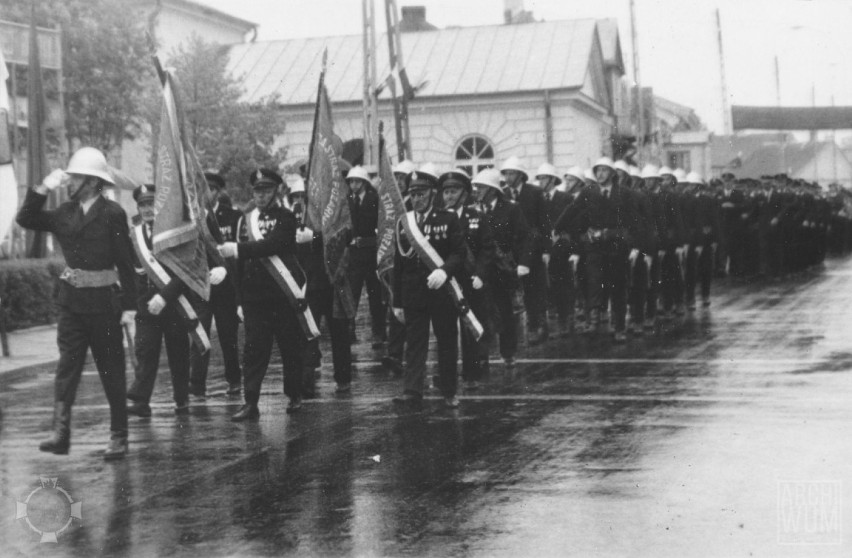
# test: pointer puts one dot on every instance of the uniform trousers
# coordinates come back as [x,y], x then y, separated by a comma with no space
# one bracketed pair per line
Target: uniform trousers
[150,333]
[321,303]
[606,277]
[561,288]
[671,280]
[639,287]
[535,294]
[475,353]
[699,270]
[267,320]
[223,307]
[504,302]
[441,313]
[75,334]
[653,289]
[362,270]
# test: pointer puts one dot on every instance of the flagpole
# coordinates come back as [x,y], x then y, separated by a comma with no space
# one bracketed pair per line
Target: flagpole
[315,130]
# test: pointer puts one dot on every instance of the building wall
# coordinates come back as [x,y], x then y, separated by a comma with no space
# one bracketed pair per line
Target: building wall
[513,125]
[827,167]
[175,25]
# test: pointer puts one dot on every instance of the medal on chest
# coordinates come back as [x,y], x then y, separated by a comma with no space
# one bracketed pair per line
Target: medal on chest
[266,223]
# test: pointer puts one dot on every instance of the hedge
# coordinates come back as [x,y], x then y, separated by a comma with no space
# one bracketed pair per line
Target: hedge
[27,289]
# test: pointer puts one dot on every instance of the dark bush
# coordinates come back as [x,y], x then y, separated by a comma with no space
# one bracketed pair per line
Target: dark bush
[27,291]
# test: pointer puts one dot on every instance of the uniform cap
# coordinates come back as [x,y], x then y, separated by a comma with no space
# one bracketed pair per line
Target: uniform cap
[665,170]
[488,177]
[694,178]
[621,165]
[404,167]
[576,172]
[357,172]
[603,162]
[680,175]
[418,180]
[430,169]
[215,180]
[295,183]
[146,192]
[546,169]
[455,177]
[90,162]
[265,178]
[650,171]
[514,163]
[634,171]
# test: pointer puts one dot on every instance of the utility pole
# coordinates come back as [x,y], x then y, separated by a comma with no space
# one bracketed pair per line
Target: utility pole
[640,108]
[370,103]
[727,127]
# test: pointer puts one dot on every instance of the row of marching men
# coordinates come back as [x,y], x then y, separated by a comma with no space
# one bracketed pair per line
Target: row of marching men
[594,242]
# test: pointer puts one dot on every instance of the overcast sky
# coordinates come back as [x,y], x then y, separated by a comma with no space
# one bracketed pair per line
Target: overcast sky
[677,41]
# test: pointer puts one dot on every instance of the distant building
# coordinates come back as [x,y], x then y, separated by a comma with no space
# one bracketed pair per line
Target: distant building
[542,91]
[683,141]
[756,155]
[175,21]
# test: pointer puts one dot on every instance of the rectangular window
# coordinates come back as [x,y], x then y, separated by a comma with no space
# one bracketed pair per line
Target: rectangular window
[680,160]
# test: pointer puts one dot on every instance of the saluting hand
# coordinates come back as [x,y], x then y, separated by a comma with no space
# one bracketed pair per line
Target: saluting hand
[156,304]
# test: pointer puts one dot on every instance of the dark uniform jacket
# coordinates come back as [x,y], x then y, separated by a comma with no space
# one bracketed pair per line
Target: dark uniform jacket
[480,243]
[706,221]
[146,288]
[443,231]
[532,203]
[278,227]
[97,240]
[225,223]
[512,240]
[365,220]
[310,256]
[611,223]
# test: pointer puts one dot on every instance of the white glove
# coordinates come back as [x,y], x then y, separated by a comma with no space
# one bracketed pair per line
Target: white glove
[399,314]
[698,250]
[436,279]
[217,275]
[304,235]
[634,253]
[661,254]
[228,250]
[240,313]
[156,304]
[546,259]
[574,259]
[55,179]
[679,251]
[649,261]
[127,317]
[476,282]
[523,270]
[774,221]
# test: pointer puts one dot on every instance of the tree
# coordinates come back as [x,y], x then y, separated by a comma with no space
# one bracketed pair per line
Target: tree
[229,135]
[107,70]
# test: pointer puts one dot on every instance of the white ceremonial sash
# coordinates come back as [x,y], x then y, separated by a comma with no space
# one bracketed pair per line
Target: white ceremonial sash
[294,293]
[158,274]
[430,257]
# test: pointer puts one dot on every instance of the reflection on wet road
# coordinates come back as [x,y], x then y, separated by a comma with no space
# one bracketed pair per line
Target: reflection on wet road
[721,434]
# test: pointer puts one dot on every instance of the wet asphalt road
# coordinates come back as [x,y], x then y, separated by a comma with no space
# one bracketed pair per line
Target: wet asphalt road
[725,433]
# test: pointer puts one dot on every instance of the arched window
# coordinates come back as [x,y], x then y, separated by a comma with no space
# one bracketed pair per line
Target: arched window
[473,154]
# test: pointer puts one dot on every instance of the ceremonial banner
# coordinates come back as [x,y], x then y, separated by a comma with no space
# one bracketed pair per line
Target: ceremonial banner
[391,208]
[179,226]
[8,182]
[36,133]
[328,203]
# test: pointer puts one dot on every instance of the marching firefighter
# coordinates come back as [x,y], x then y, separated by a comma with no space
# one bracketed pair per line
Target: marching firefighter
[430,251]
[270,289]
[455,188]
[95,241]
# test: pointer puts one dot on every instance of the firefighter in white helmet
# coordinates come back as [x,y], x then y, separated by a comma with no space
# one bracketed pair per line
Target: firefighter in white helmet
[92,306]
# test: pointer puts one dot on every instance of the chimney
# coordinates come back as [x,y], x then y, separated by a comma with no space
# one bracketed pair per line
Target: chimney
[511,9]
[414,19]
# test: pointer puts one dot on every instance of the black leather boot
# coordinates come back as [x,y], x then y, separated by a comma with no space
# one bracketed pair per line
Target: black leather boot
[117,447]
[60,441]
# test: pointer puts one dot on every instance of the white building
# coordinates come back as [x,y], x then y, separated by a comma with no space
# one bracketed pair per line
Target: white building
[541,91]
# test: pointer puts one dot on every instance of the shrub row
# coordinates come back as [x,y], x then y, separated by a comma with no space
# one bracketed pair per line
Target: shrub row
[27,289]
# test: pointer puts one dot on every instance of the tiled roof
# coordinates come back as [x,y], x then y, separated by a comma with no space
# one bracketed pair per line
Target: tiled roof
[448,62]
